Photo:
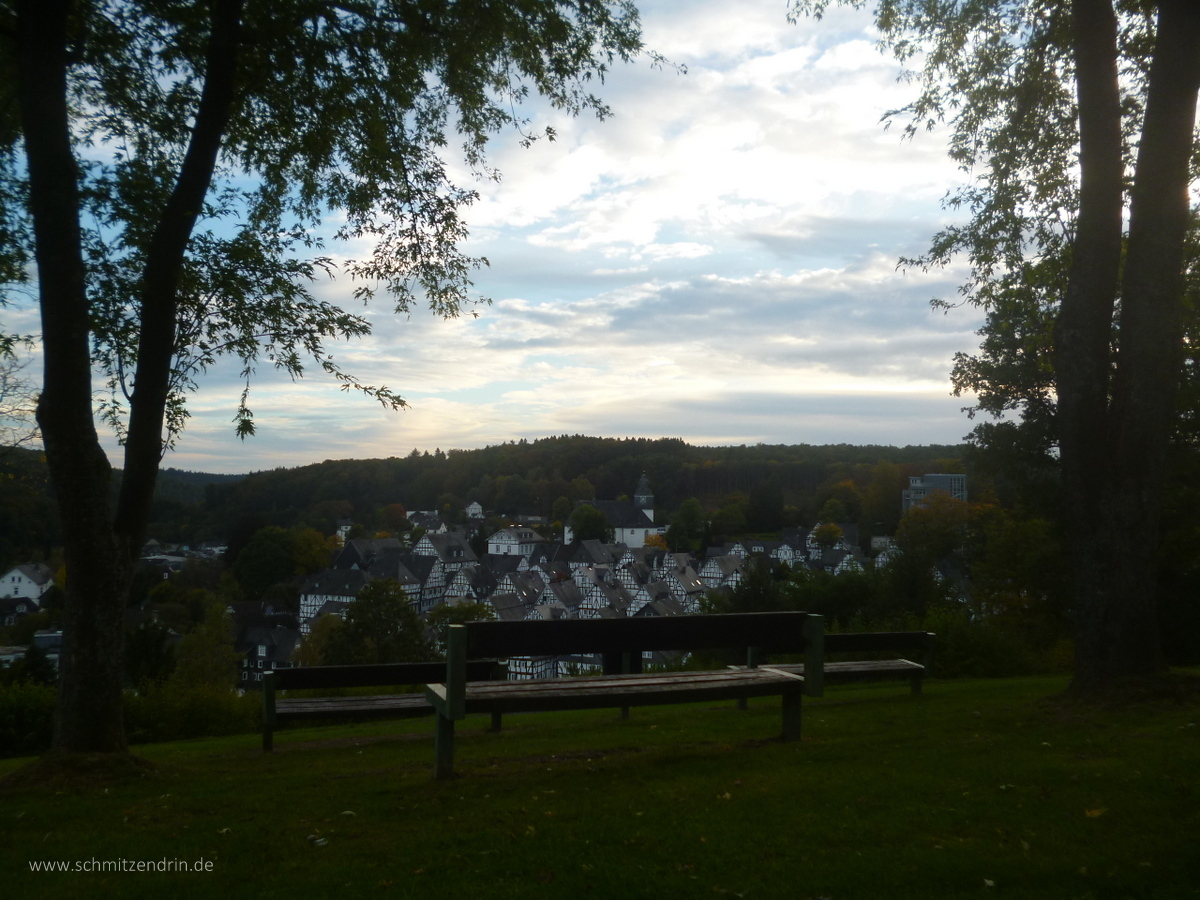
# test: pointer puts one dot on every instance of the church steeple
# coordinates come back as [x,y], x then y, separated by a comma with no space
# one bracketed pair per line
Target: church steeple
[643,497]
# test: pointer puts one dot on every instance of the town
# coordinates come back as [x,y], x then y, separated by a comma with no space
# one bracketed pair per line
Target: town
[627,571]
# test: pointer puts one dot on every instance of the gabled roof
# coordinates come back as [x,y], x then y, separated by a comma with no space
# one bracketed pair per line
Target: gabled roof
[622,513]
[549,552]
[38,573]
[335,583]
[479,579]
[508,606]
[280,642]
[450,547]
[361,552]
[668,607]
[565,592]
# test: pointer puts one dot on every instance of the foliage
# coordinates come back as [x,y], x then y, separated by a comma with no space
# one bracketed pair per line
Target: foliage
[828,533]
[205,658]
[34,668]
[276,555]
[149,655]
[589,524]
[317,647]
[448,614]
[380,626]
[175,712]
[26,718]
[18,402]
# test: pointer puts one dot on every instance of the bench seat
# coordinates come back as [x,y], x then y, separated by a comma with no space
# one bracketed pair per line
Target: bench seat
[386,705]
[620,642]
[605,691]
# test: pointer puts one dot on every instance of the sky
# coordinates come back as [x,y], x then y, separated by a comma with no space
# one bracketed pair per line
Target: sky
[715,262]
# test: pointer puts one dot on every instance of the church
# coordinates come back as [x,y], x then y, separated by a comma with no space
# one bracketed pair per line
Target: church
[632,521]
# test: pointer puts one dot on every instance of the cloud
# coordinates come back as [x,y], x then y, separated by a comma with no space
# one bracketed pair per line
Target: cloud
[717,261]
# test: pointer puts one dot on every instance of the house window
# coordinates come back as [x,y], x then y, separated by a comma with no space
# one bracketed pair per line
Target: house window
[262,650]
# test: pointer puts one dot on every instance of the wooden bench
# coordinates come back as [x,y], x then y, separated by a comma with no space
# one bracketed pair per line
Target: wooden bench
[276,708]
[620,643]
[918,644]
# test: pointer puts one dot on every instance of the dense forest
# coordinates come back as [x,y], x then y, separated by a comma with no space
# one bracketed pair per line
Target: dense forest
[768,486]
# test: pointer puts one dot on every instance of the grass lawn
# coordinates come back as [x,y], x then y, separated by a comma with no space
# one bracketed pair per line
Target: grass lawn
[976,789]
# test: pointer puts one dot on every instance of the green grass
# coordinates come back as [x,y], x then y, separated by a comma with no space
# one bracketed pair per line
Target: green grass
[978,788]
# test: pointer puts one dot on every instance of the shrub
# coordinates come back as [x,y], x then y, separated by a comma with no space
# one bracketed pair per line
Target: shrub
[173,712]
[26,718]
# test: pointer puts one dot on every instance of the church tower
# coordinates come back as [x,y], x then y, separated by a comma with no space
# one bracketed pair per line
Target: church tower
[643,497]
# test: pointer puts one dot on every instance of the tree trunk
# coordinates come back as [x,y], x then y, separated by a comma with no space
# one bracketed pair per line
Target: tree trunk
[101,544]
[88,715]
[1117,635]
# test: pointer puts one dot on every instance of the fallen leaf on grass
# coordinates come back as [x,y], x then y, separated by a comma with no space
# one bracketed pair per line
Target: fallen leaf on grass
[1095,813]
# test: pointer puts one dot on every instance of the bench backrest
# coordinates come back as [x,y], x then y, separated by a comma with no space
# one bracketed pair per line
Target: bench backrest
[771,632]
[375,675]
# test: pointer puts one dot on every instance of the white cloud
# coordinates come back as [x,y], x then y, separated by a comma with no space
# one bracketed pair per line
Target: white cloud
[716,262]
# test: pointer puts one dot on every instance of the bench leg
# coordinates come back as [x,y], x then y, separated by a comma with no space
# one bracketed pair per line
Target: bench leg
[443,766]
[791,716]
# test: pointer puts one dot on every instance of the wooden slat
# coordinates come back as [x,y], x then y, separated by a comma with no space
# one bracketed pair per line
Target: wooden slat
[779,632]
[628,690]
[861,667]
[375,675]
[381,705]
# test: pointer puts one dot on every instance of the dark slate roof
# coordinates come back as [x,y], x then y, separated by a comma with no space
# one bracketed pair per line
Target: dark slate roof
[596,553]
[361,552]
[481,581]
[528,585]
[550,552]
[280,642]
[501,564]
[335,582]
[392,562]
[622,513]
[452,547]
[259,614]
[508,606]
[666,607]
[429,523]
[419,567]
[567,593]
[38,573]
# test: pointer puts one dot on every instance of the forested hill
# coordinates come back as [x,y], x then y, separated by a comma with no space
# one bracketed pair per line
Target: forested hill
[29,525]
[521,478]
[529,478]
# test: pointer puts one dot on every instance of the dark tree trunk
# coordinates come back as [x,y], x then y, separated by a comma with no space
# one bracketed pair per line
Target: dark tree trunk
[88,715]
[1115,447]
[100,543]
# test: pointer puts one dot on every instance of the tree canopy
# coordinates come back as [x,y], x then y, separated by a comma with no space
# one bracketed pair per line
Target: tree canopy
[1066,115]
[174,178]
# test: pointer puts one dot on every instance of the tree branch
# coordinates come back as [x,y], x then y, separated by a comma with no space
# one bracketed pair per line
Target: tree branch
[164,267]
